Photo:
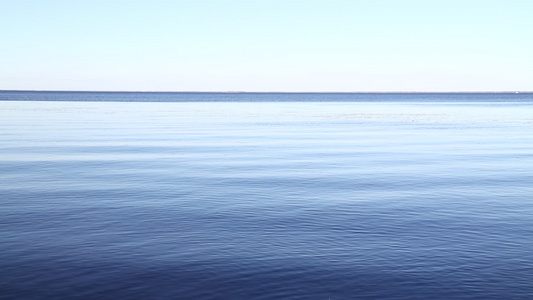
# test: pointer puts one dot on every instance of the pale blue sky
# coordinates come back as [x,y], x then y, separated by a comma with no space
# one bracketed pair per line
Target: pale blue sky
[274,45]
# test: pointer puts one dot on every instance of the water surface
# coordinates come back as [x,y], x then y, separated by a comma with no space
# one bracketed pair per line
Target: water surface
[426,198]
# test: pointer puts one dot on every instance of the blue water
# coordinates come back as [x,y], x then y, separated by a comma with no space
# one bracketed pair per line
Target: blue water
[233,196]
[261,97]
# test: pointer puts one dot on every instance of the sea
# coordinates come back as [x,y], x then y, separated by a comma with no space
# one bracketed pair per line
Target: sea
[326,196]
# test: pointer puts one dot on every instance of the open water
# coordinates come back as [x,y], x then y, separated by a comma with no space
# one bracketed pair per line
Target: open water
[266,196]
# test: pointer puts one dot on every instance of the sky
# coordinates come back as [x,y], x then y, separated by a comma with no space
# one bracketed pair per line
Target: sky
[269,45]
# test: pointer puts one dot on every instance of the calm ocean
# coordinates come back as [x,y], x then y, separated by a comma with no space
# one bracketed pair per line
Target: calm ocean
[266,196]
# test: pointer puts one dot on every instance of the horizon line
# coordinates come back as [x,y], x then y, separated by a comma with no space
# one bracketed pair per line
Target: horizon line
[279,92]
